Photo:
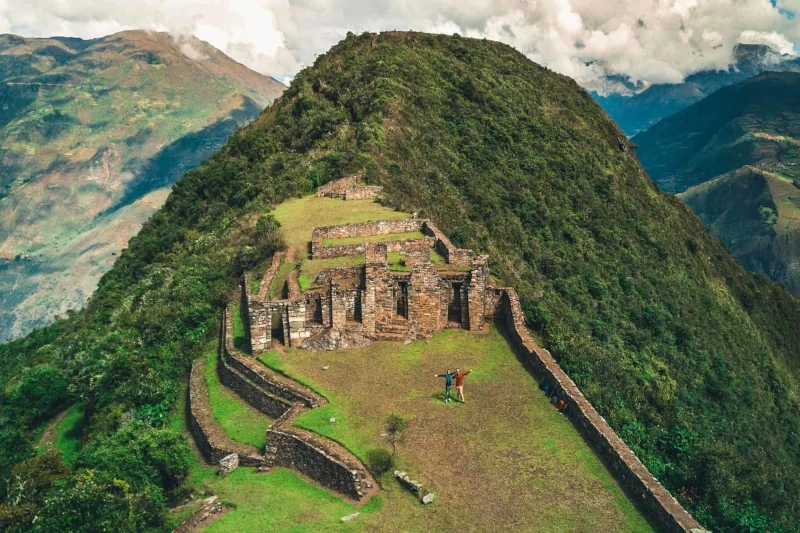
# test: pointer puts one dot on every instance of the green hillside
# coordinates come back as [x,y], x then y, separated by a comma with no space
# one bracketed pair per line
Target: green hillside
[754,122]
[757,215]
[691,359]
[735,156]
[93,133]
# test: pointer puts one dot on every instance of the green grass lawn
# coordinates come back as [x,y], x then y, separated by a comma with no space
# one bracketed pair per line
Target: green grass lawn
[65,434]
[301,215]
[69,431]
[505,460]
[239,333]
[408,235]
[281,276]
[241,422]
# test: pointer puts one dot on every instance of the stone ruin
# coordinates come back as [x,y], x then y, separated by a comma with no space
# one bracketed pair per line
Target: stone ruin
[349,188]
[352,306]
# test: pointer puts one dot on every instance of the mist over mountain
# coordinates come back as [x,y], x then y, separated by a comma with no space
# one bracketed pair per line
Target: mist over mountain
[635,107]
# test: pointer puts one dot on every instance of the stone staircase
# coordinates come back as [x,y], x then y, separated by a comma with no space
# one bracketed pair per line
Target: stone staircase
[395,331]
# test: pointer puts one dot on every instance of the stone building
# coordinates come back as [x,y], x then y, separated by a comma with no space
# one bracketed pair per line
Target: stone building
[352,306]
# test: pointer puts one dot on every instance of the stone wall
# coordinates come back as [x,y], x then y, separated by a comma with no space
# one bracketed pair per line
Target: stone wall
[210,438]
[365,192]
[365,229]
[349,188]
[647,493]
[338,188]
[476,293]
[270,405]
[451,254]
[424,295]
[269,275]
[345,250]
[263,377]
[294,448]
[282,398]
[379,308]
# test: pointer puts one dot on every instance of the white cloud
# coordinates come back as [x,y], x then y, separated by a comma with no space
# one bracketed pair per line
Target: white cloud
[649,40]
[773,39]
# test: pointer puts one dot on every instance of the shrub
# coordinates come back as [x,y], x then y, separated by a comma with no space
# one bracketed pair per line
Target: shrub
[380,461]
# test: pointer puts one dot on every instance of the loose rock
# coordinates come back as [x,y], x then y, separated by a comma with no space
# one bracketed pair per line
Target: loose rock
[349,517]
[228,463]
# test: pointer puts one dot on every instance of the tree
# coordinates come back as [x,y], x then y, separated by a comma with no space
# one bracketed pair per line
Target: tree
[395,427]
[268,235]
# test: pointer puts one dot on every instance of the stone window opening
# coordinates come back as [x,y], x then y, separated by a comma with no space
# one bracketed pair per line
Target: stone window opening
[316,316]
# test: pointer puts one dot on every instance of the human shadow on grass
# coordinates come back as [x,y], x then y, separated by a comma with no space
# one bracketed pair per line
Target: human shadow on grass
[438,398]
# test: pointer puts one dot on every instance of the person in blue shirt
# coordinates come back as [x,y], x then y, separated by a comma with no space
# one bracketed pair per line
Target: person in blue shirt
[448,382]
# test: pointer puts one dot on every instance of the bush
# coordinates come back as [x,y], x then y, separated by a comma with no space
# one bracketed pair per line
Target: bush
[268,236]
[42,391]
[92,501]
[380,461]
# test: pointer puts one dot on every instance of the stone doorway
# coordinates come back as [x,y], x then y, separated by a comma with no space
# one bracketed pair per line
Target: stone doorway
[454,306]
[276,327]
[402,300]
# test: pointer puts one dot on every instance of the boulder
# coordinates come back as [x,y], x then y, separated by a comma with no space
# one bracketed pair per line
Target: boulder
[428,498]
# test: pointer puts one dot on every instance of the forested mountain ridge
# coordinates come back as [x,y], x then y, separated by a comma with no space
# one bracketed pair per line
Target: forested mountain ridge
[94,133]
[691,359]
[735,159]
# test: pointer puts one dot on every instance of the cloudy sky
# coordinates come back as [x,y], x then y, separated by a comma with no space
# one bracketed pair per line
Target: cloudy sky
[648,40]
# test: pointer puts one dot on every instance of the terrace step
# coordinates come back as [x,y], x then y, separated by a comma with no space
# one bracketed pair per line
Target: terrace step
[393,337]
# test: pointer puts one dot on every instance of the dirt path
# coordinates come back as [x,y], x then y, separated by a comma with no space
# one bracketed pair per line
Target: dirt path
[49,433]
[211,511]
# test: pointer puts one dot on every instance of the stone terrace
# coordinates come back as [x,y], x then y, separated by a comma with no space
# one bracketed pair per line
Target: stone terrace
[349,188]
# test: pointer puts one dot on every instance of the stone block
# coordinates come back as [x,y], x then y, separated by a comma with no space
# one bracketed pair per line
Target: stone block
[228,464]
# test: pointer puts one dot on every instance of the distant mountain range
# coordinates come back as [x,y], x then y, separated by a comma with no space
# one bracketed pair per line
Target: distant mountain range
[734,157]
[635,108]
[93,133]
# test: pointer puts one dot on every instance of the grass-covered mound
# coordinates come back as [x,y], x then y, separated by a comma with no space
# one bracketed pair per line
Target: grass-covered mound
[692,360]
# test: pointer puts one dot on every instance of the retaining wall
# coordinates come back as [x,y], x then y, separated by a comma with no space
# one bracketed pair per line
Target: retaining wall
[648,494]
[284,399]
[319,251]
[269,275]
[262,376]
[453,255]
[338,188]
[363,229]
[294,448]
[210,438]
[268,404]
[364,192]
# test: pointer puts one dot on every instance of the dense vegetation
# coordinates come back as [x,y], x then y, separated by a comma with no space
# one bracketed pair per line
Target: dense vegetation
[691,359]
